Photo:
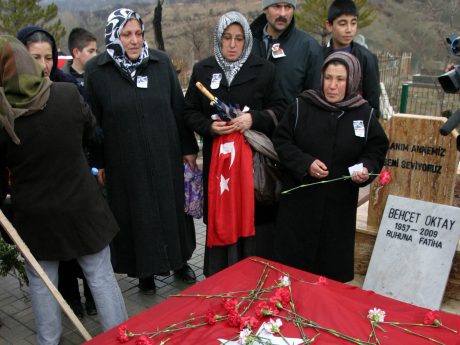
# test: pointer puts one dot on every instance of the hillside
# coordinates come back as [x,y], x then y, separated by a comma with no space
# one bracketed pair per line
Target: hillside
[418,26]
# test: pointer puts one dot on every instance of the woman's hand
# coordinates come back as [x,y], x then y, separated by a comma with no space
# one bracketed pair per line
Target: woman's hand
[222,127]
[101,177]
[318,169]
[191,161]
[360,177]
[242,122]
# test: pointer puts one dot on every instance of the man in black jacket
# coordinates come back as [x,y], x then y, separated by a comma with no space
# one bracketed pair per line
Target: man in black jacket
[297,56]
[342,23]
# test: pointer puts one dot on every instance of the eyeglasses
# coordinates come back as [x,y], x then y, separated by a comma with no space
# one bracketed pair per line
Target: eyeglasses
[229,37]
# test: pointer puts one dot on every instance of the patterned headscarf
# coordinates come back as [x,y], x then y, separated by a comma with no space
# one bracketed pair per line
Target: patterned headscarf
[231,68]
[352,98]
[23,89]
[115,24]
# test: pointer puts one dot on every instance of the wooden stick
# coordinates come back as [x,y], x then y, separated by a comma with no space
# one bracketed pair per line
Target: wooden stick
[205,91]
[9,228]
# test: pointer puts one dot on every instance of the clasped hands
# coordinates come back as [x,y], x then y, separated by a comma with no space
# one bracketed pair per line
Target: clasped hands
[240,124]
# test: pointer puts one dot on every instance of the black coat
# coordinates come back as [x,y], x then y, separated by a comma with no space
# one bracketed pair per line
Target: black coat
[59,210]
[300,69]
[254,86]
[144,141]
[316,225]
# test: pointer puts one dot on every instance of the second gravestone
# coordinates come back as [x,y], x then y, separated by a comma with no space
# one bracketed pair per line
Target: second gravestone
[413,252]
[423,164]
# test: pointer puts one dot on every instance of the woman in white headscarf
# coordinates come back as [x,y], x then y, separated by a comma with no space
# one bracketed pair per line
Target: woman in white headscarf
[136,97]
[237,77]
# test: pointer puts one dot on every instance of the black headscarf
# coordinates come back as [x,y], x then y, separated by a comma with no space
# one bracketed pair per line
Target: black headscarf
[352,97]
[55,74]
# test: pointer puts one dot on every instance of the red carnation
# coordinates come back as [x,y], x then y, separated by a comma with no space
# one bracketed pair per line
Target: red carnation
[230,304]
[143,340]
[384,177]
[233,319]
[211,318]
[284,294]
[122,336]
[264,309]
[322,281]
[248,321]
[432,318]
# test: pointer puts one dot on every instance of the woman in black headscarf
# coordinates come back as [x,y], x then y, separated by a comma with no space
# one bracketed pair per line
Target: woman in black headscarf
[58,209]
[321,135]
[136,97]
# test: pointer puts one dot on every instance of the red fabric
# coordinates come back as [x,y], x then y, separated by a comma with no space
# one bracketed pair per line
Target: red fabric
[337,306]
[230,191]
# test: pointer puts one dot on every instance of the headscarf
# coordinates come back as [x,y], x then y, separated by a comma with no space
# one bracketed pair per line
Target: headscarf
[23,89]
[352,98]
[231,68]
[115,24]
[28,31]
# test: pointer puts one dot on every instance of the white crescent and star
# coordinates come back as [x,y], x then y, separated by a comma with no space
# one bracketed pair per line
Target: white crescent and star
[226,148]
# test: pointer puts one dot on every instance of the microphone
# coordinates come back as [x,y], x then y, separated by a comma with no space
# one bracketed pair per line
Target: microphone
[452,122]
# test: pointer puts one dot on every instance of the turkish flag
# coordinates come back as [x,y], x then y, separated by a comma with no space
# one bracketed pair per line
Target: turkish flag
[230,191]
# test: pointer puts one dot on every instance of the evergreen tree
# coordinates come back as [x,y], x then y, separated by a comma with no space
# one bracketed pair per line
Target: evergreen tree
[17,14]
[311,16]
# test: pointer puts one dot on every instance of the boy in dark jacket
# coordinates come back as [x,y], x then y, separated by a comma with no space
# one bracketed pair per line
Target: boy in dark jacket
[83,46]
[342,23]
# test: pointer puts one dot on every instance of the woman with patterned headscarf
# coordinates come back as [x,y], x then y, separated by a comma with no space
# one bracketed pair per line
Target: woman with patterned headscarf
[235,77]
[58,208]
[136,97]
[321,136]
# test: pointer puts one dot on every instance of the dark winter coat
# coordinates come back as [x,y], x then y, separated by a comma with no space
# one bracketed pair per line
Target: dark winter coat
[144,142]
[316,225]
[254,86]
[300,69]
[370,82]
[58,209]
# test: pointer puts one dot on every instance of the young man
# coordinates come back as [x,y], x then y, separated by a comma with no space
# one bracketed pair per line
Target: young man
[297,56]
[82,47]
[342,23]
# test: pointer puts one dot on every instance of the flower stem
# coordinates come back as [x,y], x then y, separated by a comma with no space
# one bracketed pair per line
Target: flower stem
[417,334]
[311,184]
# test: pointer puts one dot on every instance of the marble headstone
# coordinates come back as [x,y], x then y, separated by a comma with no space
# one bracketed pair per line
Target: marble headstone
[413,253]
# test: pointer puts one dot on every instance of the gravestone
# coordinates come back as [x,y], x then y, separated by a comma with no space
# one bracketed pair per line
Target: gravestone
[423,164]
[413,252]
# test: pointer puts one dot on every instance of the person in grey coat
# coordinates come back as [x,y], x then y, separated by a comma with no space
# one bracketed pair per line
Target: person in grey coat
[297,56]
[136,97]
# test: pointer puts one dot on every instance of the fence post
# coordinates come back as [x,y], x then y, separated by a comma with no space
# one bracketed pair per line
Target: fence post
[404,95]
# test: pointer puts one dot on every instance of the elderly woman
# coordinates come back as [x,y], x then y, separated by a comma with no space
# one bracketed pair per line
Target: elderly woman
[136,97]
[321,135]
[234,76]
[59,211]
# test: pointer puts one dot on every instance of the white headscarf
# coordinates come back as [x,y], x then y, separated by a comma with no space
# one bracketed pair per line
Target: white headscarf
[115,24]
[231,68]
